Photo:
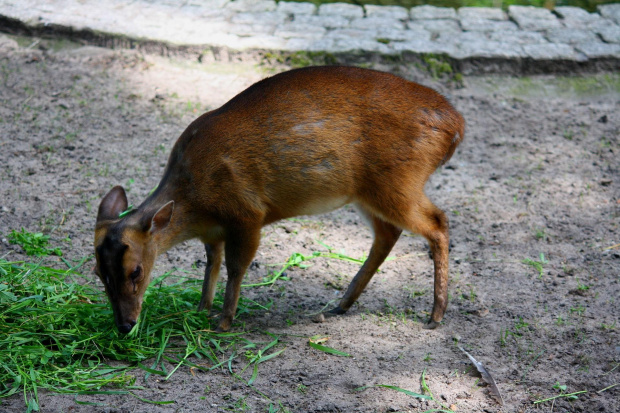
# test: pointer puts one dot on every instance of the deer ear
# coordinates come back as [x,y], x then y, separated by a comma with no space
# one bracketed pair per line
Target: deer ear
[162,217]
[112,204]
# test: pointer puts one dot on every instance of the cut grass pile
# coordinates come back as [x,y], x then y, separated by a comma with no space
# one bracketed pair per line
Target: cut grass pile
[58,334]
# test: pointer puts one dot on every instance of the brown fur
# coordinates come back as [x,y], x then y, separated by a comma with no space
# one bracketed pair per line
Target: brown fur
[301,142]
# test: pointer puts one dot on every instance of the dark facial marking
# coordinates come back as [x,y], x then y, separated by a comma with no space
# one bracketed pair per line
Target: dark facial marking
[111,252]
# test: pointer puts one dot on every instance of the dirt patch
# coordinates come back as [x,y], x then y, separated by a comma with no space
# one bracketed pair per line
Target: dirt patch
[533,196]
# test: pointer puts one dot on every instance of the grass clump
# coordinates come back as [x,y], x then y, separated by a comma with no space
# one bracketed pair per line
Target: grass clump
[440,67]
[33,243]
[58,334]
[51,333]
[537,265]
[299,59]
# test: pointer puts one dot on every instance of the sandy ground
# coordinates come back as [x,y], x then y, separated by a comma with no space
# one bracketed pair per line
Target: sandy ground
[538,173]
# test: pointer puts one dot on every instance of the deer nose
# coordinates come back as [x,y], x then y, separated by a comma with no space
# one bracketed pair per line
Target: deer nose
[126,327]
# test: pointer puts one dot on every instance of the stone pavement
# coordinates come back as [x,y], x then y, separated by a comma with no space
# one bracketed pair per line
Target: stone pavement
[525,39]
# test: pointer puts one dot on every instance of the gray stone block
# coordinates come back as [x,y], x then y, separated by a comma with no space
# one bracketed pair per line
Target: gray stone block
[519,37]
[611,11]
[299,30]
[341,9]
[374,23]
[403,35]
[479,44]
[438,26]
[290,7]
[345,40]
[530,12]
[576,18]
[571,36]
[463,37]
[357,45]
[533,18]
[432,13]
[261,18]
[209,13]
[166,2]
[571,12]
[207,3]
[321,45]
[487,13]
[610,33]
[486,25]
[265,42]
[330,22]
[599,49]
[600,24]
[421,46]
[350,34]
[394,12]
[251,5]
[550,51]
[249,30]
[490,49]
[205,8]
[297,44]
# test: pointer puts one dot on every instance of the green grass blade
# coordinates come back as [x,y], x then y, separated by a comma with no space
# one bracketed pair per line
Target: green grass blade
[271,344]
[328,350]
[89,403]
[270,356]
[407,392]
[387,386]
[152,371]
[152,401]
[254,374]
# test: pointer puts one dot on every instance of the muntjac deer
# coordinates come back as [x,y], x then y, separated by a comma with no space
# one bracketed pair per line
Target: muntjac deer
[306,141]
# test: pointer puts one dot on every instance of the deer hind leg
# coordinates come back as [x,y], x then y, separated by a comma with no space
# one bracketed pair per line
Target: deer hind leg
[439,240]
[426,219]
[386,236]
[212,273]
[413,211]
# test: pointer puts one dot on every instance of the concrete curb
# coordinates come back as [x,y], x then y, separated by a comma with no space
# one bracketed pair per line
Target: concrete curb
[524,40]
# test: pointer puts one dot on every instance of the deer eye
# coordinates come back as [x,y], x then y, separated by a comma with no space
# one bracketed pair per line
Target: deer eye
[136,273]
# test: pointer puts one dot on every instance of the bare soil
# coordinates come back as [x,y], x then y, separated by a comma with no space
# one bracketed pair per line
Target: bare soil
[538,173]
